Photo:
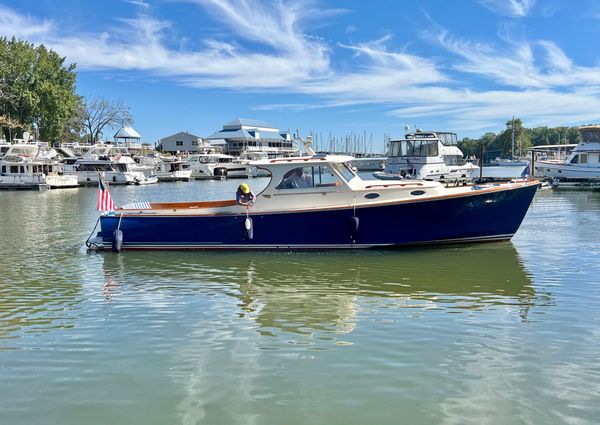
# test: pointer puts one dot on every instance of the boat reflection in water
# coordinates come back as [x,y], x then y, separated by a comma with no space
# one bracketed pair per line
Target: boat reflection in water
[308,292]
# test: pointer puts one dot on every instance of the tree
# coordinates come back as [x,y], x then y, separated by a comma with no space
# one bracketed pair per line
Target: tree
[522,138]
[38,89]
[74,127]
[99,113]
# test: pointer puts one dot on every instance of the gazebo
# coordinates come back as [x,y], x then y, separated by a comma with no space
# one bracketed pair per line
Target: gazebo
[128,136]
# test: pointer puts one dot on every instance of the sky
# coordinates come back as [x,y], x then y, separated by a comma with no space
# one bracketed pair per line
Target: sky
[328,67]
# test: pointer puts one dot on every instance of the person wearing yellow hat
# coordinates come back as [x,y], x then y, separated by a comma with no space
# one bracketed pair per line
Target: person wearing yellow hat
[244,195]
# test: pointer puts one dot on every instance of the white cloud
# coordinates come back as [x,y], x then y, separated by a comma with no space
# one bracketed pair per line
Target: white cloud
[517,65]
[286,57]
[139,3]
[21,26]
[512,8]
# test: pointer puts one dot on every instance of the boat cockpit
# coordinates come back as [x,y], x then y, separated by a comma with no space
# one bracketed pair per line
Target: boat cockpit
[320,172]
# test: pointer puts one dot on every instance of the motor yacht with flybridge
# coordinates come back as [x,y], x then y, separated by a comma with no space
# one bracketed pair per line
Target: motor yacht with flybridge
[581,167]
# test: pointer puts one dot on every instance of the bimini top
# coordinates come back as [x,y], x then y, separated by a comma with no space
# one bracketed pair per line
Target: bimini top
[313,159]
[590,133]
[445,137]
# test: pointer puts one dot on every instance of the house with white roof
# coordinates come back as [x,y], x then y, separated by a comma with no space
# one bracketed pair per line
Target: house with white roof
[247,136]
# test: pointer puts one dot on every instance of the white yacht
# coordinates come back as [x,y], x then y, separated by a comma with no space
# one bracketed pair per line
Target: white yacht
[173,171]
[583,163]
[427,155]
[217,165]
[28,166]
[247,156]
[117,166]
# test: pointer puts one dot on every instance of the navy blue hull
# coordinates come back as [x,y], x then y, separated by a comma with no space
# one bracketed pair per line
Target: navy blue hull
[482,215]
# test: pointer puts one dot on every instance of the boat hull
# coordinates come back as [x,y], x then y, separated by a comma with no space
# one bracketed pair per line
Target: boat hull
[566,171]
[478,216]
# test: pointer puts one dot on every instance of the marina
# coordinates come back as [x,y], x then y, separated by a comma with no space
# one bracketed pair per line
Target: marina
[438,334]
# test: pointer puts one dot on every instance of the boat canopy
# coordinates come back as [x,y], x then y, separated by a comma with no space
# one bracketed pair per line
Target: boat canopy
[590,133]
[308,172]
[447,138]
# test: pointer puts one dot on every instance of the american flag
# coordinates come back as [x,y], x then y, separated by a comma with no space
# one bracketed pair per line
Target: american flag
[105,202]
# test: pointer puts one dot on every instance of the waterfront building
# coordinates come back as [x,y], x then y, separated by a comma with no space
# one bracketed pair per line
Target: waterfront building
[185,142]
[247,136]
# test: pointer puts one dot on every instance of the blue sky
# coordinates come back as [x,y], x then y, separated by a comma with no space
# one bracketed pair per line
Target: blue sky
[327,66]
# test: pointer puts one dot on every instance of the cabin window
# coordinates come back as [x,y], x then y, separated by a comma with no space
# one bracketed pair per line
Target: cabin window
[583,158]
[178,143]
[14,169]
[590,136]
[297,178]
[306,177]
[3,169]
[324,176]
[418,148]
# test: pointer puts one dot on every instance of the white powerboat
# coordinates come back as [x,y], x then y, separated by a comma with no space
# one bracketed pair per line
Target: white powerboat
[28,166]
[173,171]
[427,155]
[583,163]
[217,165]
[117,167]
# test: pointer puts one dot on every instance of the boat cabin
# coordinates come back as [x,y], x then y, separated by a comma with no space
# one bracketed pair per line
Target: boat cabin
[107,152]
[27,159]
[587,153]
[211,158]
[311,173]
[420,145]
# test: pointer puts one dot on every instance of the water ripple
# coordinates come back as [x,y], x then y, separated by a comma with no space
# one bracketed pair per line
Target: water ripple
[496,333]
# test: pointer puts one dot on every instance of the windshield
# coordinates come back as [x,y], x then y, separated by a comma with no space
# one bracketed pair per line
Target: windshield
[418,148]
[309,177]
[346,172]
[590,136]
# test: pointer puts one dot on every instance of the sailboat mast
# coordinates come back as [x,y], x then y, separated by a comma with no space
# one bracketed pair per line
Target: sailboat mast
[512,155]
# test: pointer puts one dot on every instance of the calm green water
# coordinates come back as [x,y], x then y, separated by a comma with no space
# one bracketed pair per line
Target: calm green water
[504,333]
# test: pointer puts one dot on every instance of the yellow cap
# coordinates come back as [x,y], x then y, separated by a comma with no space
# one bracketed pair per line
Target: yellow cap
[245,188]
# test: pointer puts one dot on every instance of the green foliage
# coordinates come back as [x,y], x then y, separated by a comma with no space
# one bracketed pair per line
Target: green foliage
[37,89]
[500,145]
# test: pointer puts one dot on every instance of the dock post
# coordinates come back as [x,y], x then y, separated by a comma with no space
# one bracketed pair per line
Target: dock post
[532,170]
[481,162]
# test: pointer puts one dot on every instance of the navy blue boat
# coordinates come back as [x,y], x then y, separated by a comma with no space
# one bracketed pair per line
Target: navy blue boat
[319,202]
